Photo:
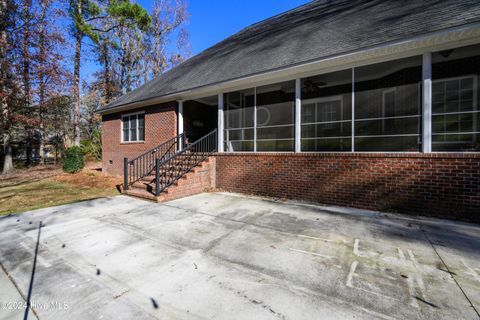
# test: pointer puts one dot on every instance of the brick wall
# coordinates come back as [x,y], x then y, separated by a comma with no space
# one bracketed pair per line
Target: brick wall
[442,185]
[160,125]
[200,179]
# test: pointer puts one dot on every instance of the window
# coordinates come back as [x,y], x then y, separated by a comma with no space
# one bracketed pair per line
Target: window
[133,127]
[388,106]
[455,114]
[327,112]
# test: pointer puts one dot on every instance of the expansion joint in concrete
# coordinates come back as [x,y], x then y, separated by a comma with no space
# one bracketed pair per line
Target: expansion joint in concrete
[450,272]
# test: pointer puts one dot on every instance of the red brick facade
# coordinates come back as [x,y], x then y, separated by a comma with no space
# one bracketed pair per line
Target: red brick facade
[442,185]
[437,184]
[160,125]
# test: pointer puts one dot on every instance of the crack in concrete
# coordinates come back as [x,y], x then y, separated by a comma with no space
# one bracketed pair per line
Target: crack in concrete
[275,277]
[117,220]
[4,270]
[450,272]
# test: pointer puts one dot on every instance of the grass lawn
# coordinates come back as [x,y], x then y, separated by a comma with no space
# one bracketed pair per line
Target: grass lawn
[46,193]
[42,187]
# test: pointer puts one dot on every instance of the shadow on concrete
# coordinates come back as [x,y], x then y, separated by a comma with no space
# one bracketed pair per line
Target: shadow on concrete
[32,277]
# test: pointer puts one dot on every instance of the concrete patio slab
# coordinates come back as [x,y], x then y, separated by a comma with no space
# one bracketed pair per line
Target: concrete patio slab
[228,256]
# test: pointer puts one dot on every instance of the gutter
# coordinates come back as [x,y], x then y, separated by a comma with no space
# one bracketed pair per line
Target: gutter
[436,41]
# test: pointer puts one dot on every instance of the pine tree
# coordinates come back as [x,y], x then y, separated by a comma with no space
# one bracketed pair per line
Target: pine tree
[88,19]
[5,22]
[81,12]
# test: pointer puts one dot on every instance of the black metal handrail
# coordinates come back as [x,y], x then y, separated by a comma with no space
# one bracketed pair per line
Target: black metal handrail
[143,165]
[171,169]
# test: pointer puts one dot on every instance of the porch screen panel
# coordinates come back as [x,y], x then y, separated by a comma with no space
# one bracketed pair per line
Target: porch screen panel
[455,112]
[326,116]
[239,123]
[388,106]
[276,117]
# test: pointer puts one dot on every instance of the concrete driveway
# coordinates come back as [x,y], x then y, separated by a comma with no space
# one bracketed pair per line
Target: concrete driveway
[226,256]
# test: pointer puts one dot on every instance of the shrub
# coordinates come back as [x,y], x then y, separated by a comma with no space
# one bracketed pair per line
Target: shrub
[73,160]
[92,147]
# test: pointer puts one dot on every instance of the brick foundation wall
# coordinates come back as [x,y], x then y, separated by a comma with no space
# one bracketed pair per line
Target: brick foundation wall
[440,185]
[160,125]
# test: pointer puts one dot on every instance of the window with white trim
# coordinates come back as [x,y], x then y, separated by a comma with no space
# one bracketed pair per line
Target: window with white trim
[133,127]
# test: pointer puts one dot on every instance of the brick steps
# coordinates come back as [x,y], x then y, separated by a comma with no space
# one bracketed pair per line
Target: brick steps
[197,180]
[144,194]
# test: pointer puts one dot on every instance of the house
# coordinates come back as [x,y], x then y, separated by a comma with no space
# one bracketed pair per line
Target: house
[367,104]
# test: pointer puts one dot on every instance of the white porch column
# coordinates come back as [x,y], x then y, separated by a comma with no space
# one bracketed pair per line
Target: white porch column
[220,128]
[353,110]
[255,119]
[427,103]
[298,115]
[180,123]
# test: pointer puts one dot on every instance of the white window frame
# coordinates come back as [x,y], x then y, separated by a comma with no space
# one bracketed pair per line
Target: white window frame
[474,109]
[129,132]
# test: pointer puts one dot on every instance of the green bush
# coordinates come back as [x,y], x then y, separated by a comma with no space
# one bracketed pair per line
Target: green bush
[72,160]
[92,147]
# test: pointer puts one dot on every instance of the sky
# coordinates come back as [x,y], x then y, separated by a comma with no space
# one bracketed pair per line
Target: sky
[214,20]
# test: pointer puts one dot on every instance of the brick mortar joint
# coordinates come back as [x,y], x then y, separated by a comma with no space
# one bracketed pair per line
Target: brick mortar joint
[468,155]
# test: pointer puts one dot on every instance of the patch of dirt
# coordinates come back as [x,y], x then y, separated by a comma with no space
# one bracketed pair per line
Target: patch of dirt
[90,176]
[20,176]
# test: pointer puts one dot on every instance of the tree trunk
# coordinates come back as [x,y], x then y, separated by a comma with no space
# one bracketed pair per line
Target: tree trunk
[123,63]
[28,146]
[41,79]
[128,80]
[26,53]
[7,154]
[4,121]
[76,81]
[145,73]
[26,76]
[107,82]
[7,147]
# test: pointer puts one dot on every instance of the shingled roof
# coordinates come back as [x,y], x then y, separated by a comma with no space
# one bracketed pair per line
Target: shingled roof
[317,30]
